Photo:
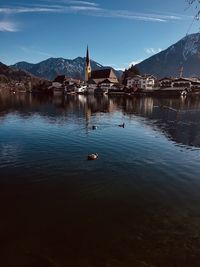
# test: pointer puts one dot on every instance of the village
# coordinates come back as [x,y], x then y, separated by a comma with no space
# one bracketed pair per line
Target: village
[105,81]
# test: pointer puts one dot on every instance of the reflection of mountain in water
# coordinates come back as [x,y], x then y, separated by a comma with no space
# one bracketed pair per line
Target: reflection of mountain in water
[178,119]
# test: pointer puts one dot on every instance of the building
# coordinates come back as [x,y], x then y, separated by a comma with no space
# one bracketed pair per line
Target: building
[63,80]
[87,66]
[144,82]
[179,86]
[103,78]
[165,82]
[63,84]
[182,83]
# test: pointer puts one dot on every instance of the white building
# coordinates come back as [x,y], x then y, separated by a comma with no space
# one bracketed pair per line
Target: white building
[145,82]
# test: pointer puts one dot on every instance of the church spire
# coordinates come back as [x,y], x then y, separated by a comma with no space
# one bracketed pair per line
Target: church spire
[87,57]
[87,66]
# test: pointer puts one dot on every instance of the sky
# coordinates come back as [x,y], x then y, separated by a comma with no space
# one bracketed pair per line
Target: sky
[118,32]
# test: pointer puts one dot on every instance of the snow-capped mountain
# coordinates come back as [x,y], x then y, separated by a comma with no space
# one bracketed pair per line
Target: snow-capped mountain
[185,53]
[52,67]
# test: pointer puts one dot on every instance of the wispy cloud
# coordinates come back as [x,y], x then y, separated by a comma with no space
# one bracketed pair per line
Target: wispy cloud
[82,8]
[8,26]
[46,9]
[124,14]
[71,2]
[86,3]
[86,8]
[32,50]
[152,50]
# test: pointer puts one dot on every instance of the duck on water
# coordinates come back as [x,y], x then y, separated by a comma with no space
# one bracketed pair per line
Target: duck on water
[122,125]
[93,156]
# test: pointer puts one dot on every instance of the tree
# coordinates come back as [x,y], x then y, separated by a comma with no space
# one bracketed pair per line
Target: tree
[134,70]
[131,72]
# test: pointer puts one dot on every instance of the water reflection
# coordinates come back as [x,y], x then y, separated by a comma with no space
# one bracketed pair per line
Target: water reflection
[138,205]
[176,118]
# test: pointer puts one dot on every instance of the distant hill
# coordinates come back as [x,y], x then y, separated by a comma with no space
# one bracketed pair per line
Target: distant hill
[19,80]
[9,74]
[185,53]
[50,68]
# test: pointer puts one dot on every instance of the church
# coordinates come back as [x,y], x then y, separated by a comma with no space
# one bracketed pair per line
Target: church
[102,78]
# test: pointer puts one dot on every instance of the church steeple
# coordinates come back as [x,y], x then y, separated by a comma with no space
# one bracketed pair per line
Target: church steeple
[87,66]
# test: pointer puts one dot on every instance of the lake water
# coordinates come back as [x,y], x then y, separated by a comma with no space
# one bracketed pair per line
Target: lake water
[137,205]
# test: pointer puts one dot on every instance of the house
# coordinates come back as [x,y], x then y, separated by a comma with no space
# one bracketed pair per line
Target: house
[62,84]
[165,82]
[144,82]
[106,84]
[104,78]
[100,75]
[182,83]
[195,83]
[134,81]
[64,80]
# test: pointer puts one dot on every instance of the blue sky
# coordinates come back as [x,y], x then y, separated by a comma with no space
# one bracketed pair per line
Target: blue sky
[118,32]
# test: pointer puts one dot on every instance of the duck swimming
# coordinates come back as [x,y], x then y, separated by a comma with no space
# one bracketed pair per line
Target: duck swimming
[93,156]
[94,127]
[122,125]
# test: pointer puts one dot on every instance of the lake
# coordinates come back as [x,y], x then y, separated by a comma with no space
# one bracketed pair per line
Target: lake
[137,205]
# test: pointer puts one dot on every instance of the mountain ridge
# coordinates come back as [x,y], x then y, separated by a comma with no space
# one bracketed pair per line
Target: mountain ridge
[51,67]
[184,53]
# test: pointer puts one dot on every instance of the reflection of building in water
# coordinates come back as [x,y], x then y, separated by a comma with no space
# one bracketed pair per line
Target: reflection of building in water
[178,118]
[82,99]
[147,106]
[112,107]
[88,113]
[142,106]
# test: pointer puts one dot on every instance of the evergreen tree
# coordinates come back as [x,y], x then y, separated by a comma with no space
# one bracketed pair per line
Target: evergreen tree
[131,72]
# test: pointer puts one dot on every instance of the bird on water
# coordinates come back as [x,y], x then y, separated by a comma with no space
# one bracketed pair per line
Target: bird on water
[122,125]
[93,156]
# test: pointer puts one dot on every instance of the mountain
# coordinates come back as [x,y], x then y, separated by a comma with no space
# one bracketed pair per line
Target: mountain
[19,80]
[52,67]
[185,53]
